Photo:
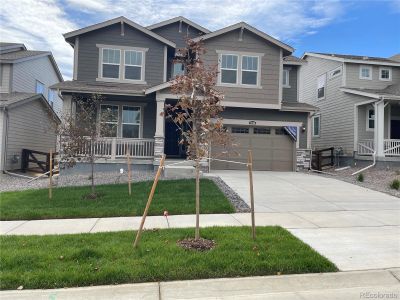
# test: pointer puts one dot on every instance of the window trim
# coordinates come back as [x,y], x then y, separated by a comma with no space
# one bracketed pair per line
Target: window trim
[141,67]
[238,83]
[370,72]
[330,74]
[390,73]
[322,98]
[220,69]
[245,70]
[319,126]
[287,77]
[113,64]
[367,118]
[121,77]
[140,124]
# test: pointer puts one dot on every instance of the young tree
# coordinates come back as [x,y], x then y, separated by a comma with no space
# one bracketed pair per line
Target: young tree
[196,113]
[80,132]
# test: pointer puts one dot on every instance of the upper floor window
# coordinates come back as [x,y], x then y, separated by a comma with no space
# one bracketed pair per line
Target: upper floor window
[133,64]
[229,68]
[335,72]
[249,70]
[111,63]
[366,72]
[316,126]
[51,96]
[321,84]
[177,69]
[285,78]
[370,119]
[39,87]
[385,74]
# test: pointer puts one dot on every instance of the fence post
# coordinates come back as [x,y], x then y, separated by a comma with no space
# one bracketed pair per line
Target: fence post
[113,148]
[50,156]
[250,167]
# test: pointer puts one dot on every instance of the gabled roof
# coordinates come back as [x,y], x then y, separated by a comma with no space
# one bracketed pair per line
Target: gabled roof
[121,19]
[293,60]
[9,46]
[354,58]
[158,87]
[178,19]
[390,92]
[10,100]
[249,28]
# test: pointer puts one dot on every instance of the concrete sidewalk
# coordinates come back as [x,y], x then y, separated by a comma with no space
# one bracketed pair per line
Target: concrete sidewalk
[343,285]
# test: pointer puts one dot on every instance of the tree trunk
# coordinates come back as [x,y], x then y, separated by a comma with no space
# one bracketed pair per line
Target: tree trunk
[197,232]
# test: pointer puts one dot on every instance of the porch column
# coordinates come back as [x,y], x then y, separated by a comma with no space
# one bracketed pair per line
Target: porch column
[159,135]
[379,128]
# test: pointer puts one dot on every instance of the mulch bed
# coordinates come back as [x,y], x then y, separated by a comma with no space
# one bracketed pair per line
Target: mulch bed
[198,245]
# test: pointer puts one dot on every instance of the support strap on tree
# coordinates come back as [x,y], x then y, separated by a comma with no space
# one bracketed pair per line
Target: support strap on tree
[146,210]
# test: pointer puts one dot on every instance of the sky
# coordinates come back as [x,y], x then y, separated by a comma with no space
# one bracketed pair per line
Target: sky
[359,27]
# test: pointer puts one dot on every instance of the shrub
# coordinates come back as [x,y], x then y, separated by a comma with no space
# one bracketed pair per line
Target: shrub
[360,177]
[395,184]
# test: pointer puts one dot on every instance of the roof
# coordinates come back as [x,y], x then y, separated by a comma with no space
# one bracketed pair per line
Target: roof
[117,20]
[354,58]
[22,54]
[293,60]
[10,100]
[297,106]
[248,27]
[100,87]
[6,46]
[178,19]
[390,92]
[158,87]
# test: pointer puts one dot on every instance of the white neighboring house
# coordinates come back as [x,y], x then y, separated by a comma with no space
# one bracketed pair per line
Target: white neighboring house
[29,71]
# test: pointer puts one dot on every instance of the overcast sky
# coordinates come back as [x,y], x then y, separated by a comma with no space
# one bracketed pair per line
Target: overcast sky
[339,26]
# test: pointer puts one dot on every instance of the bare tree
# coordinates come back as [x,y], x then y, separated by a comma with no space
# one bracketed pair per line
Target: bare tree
[196,113]
[80,132]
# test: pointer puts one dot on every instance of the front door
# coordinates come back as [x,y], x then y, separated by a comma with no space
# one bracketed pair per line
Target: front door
[172,138]
[395,129]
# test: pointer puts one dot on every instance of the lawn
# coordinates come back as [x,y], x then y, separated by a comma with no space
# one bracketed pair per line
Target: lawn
[175,196]
[109,258]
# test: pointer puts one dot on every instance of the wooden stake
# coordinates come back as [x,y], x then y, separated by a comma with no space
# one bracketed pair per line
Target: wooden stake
[129,170]
[250,167]
[51,175]
[153,188]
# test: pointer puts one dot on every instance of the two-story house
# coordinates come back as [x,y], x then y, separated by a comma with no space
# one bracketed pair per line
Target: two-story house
[132,65]
[358,99]
[28,107]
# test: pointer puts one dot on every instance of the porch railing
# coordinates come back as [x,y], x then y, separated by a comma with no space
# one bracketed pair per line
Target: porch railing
[391,147]
[365,147]
[118,147]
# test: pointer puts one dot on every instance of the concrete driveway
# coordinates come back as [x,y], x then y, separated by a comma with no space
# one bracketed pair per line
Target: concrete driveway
[356,228]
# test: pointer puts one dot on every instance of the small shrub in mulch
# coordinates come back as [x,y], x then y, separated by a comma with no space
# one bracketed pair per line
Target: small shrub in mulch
[395,184]
[360,177]
[198,245]
[92,196]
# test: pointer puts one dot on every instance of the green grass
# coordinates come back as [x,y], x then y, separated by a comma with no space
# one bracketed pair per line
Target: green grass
[109,258]
[175,196]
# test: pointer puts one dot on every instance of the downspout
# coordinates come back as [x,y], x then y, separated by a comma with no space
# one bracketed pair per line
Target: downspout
[5,139]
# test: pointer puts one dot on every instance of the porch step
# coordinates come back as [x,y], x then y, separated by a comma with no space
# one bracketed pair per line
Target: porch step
[179,171]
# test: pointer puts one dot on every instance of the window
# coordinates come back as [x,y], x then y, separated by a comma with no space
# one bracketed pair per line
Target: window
[131,119]
[133,65]
[316,124]
[243,130]
[249,70]
[385,74]
[366,72]
[335,72]
[370,119]
[321,87]
[111,63]
[261,130]
[51,96]
[110,118]
[285,78]
[39,87]
[177,69]
[229,68]
[280,131]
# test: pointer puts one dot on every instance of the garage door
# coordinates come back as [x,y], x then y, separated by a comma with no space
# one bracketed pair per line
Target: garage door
[273,149]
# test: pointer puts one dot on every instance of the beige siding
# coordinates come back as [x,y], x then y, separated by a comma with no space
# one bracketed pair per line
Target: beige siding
[26,73]
[363,133]
[5,70]
[270,63]
[353,77]
[30,127]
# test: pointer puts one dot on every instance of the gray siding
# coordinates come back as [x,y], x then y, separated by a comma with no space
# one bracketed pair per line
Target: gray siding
[2,127]
[171,33]
[5,76]
[31,127]
[270,65]
[353,77]
[289,94]
[27,72]
[88,53]
[363,134]
[268,115]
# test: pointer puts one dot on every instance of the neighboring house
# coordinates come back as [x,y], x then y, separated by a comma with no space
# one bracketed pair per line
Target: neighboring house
[131,66]
[29,71]
[358,99]
[27,121]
